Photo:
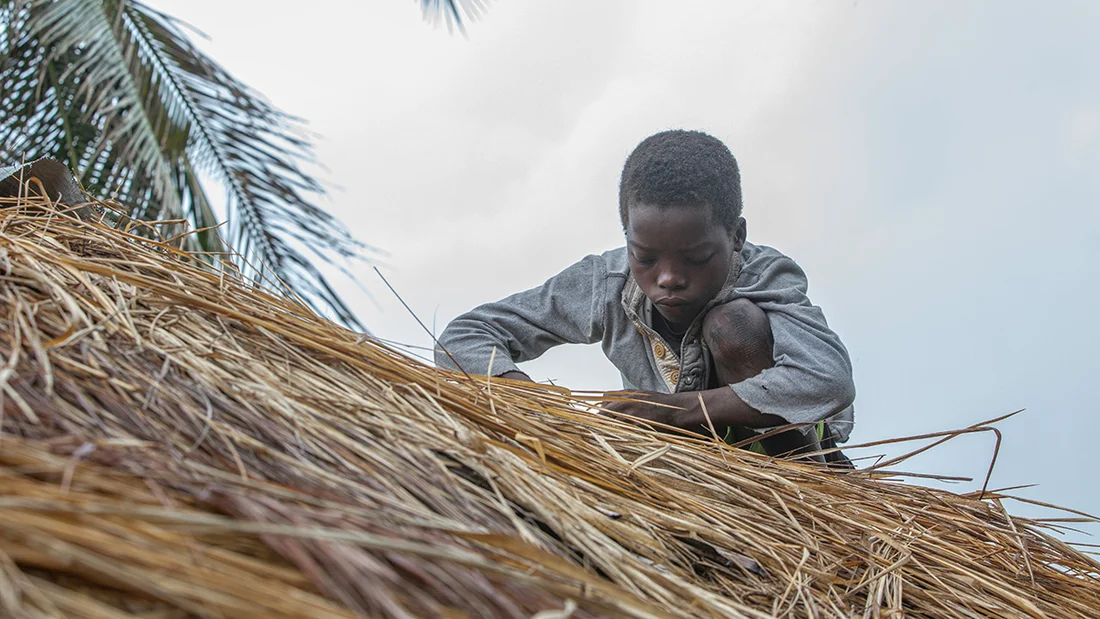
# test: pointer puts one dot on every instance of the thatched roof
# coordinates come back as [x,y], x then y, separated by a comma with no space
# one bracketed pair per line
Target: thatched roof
[176,441]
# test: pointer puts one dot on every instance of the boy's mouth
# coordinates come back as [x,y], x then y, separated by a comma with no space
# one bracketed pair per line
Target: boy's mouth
[671,302]
[675,309]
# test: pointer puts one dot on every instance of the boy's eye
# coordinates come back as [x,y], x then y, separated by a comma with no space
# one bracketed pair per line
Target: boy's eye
[700,261]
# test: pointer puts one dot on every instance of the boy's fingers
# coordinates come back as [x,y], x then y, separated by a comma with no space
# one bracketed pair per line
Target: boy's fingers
[614,405]
[602,407]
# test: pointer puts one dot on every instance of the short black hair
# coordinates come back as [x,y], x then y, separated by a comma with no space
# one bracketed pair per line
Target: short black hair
[682,168]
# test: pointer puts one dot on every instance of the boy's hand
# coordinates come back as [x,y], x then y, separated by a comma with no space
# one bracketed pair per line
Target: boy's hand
[647,405]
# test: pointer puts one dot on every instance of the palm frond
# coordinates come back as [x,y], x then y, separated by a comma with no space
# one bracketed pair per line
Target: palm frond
[116,90]
[453,13]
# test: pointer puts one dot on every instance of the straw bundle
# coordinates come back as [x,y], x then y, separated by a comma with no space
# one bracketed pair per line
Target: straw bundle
[179,443]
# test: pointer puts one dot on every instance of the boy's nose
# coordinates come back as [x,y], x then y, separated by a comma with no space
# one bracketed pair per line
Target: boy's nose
[671,279]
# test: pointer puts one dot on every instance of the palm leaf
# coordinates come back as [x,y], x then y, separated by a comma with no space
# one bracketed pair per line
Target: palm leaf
[452,12]
[117,91]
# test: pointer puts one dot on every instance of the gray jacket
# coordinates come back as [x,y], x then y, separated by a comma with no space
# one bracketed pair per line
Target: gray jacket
[597,300]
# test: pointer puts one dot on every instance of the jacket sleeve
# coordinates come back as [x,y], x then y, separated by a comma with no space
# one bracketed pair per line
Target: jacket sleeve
[567,309]
[812,376]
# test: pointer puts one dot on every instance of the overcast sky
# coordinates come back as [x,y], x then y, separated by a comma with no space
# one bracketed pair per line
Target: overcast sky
[932,166]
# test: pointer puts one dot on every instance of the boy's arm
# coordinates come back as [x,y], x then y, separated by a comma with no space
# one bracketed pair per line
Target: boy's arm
[567,309]
[812,376]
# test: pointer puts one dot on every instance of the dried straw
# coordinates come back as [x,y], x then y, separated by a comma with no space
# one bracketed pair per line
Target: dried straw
[178,441]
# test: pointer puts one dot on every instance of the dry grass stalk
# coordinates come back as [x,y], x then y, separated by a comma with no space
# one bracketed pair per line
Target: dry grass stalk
[174,438]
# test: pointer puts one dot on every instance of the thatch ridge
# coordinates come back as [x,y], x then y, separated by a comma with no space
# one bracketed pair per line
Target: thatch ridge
[151,398]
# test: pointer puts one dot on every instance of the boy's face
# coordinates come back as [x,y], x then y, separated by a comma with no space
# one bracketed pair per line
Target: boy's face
[680,256]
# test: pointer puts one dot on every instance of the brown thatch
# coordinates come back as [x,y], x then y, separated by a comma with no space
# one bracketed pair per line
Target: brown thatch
[177,442]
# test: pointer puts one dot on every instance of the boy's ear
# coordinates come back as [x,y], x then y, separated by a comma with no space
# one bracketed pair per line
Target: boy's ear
[740,233]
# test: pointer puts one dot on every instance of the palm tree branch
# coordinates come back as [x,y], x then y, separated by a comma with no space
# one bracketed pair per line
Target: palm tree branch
[453,13]
[256,150]
[117,89]
[116,82]
[51,75]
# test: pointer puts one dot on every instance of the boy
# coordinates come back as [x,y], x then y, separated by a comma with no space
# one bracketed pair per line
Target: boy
[687,308]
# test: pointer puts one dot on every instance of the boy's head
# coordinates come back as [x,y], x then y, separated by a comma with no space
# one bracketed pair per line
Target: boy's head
[680,203]
[682,168]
